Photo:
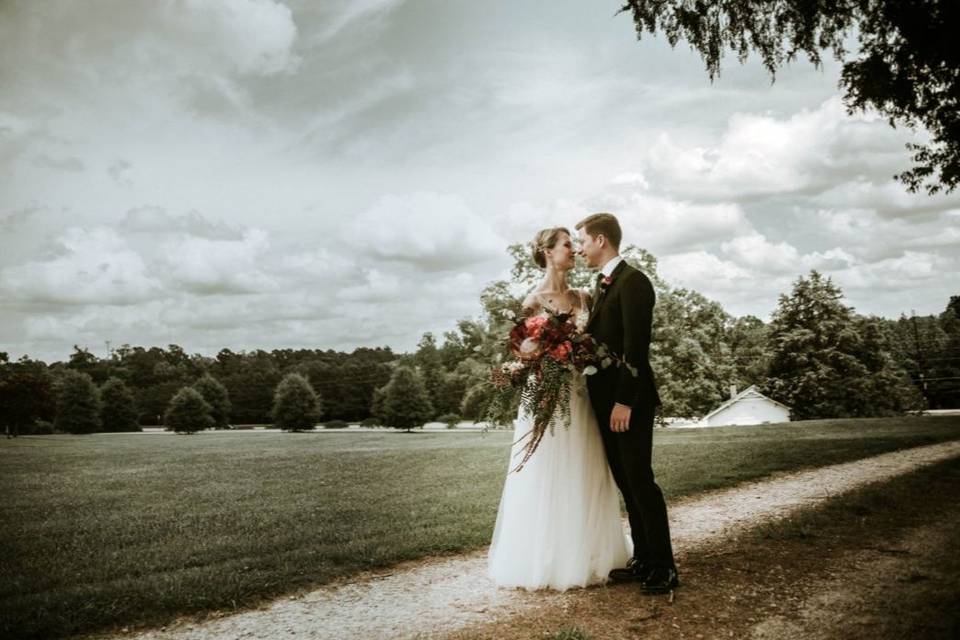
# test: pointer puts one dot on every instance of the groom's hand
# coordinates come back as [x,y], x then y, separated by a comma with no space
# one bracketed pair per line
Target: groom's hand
[620,418]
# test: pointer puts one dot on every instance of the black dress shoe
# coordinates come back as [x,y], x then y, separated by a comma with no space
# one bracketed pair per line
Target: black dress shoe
[660,580]
[635,571]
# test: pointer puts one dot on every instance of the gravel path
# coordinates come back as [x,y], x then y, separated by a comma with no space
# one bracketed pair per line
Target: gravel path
[428,598]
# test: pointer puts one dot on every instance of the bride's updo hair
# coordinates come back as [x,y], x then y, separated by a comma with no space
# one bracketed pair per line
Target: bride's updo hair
[545,239]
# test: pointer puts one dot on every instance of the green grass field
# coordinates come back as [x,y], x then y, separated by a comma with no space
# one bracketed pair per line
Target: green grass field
[116,529]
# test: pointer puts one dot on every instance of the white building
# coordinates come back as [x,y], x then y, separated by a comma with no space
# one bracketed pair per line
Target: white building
[747,407]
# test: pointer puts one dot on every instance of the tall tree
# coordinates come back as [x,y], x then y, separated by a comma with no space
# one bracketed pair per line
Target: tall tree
[188,412]
[827,363]
[296,406]
[217,397]
[26,394]
[904,65]
[749,344]
[691,359]
[406,403]
[78,403]
[427,358]
[119,411]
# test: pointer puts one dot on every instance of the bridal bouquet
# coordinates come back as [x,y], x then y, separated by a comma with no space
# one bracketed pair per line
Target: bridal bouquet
[546,351]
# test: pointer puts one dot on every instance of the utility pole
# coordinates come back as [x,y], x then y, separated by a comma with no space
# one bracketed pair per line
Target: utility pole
[920,361]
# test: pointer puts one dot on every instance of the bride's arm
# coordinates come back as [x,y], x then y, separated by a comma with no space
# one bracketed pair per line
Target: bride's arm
[531,304]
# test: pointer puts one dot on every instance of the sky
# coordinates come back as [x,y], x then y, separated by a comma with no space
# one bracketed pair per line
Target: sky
[250,174]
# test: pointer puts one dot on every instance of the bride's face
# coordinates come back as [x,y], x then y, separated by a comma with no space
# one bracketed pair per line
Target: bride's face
[562,253]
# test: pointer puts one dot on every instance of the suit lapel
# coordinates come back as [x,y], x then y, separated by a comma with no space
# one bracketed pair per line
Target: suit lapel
[604,294]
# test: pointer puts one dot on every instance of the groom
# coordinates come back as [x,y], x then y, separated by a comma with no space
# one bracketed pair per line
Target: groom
[621,318]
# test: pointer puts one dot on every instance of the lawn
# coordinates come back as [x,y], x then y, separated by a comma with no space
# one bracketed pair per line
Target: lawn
[116,529]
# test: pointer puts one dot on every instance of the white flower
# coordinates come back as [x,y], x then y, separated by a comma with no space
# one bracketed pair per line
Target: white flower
[509,314]
[589,370]
[529,346]
[511,367]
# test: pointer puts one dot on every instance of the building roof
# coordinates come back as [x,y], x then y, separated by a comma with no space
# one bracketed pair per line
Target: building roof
[748,393]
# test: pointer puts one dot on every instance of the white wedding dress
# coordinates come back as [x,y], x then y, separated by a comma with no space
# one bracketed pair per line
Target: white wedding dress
[559,523]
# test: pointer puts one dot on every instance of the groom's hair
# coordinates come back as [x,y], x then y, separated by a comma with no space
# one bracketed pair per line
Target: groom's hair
[602,223]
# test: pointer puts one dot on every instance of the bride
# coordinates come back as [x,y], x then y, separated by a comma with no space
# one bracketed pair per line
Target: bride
[558,525]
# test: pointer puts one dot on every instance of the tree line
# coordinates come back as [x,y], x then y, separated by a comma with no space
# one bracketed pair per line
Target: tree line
[816,355]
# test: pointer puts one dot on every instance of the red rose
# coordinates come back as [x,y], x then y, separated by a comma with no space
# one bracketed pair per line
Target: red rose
[561,351]
[534,326]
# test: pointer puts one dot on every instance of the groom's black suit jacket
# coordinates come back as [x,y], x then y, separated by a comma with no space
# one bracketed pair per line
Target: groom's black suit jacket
[622,319]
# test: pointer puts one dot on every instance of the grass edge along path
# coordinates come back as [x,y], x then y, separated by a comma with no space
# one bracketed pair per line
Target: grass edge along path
[761,583]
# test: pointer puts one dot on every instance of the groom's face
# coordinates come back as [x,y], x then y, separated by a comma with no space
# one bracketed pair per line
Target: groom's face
[590,249]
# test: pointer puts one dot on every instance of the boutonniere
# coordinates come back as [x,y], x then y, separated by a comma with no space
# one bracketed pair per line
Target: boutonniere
[606,281]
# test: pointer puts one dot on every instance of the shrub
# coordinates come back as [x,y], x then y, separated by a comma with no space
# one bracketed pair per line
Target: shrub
[41,428]
[370,422]
[296,406]
[78,403]
[188,412]
[450,419]
[335,424]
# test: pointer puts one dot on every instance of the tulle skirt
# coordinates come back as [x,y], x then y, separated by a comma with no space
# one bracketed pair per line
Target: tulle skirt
[559,525]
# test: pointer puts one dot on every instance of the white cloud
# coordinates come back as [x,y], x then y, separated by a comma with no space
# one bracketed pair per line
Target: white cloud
[202,265]
[242,153]
[873,237]
[431,230]
[663,224]
[339,16]
[756,251]
[95,266]
[155,221]
[758,154]
[112,37]
[902,273]
[703,270]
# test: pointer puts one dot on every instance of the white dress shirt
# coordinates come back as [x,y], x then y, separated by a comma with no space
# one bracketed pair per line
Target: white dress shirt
[611,265]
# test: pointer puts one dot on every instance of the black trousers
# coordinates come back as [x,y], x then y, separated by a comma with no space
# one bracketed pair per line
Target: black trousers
[629,456]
